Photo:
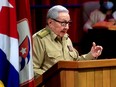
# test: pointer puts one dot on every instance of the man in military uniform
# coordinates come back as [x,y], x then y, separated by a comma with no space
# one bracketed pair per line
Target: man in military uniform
[52,43]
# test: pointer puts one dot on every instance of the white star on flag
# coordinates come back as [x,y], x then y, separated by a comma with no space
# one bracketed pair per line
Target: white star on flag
[5,3]
[23,51]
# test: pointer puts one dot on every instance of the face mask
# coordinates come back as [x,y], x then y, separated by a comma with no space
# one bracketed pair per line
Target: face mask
[108,5]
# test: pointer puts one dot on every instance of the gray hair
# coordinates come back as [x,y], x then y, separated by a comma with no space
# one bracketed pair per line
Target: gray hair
[53,12]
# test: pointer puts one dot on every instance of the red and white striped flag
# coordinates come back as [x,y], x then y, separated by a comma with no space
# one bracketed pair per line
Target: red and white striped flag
[25,47]
[9,50]
[16,69]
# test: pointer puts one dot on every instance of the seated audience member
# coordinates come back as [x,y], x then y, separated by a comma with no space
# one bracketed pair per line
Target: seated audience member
[52,44]
[104,14]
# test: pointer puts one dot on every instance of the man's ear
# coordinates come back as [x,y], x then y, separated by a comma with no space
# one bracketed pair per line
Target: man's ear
[49,21]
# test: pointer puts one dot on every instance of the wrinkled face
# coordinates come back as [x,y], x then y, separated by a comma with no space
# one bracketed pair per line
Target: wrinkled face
[60,25]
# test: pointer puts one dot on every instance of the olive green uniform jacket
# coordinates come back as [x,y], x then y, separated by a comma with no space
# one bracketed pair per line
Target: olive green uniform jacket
[48,50]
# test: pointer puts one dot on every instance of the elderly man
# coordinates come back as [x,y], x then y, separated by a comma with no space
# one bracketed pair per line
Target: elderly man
[52,44]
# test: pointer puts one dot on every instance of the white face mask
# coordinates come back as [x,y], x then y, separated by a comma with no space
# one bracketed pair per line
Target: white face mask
[108,5]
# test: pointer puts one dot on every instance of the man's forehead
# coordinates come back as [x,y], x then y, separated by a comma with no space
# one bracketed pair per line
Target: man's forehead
[63,15]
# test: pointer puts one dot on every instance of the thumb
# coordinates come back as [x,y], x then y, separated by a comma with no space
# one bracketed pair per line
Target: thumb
[94,44]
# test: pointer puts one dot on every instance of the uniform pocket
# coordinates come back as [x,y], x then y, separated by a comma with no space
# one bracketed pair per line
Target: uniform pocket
[54,54]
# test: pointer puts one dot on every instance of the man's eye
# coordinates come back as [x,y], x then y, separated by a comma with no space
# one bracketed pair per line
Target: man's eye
[64,24]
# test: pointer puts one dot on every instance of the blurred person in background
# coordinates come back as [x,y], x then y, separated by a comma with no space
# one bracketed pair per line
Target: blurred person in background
[104,13]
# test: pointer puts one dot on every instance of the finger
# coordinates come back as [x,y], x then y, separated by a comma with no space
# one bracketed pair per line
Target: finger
[94,44]
[99,48]
[98,51]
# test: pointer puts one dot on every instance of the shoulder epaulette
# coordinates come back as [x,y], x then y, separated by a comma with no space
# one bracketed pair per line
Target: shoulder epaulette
[43,33]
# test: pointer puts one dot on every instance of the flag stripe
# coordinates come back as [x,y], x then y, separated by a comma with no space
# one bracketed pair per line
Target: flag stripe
[12,43]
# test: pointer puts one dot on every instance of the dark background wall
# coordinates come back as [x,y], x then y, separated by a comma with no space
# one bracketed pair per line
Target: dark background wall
[39,10]
[40,7]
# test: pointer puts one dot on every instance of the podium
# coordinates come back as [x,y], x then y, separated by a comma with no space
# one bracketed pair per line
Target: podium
[88,73]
